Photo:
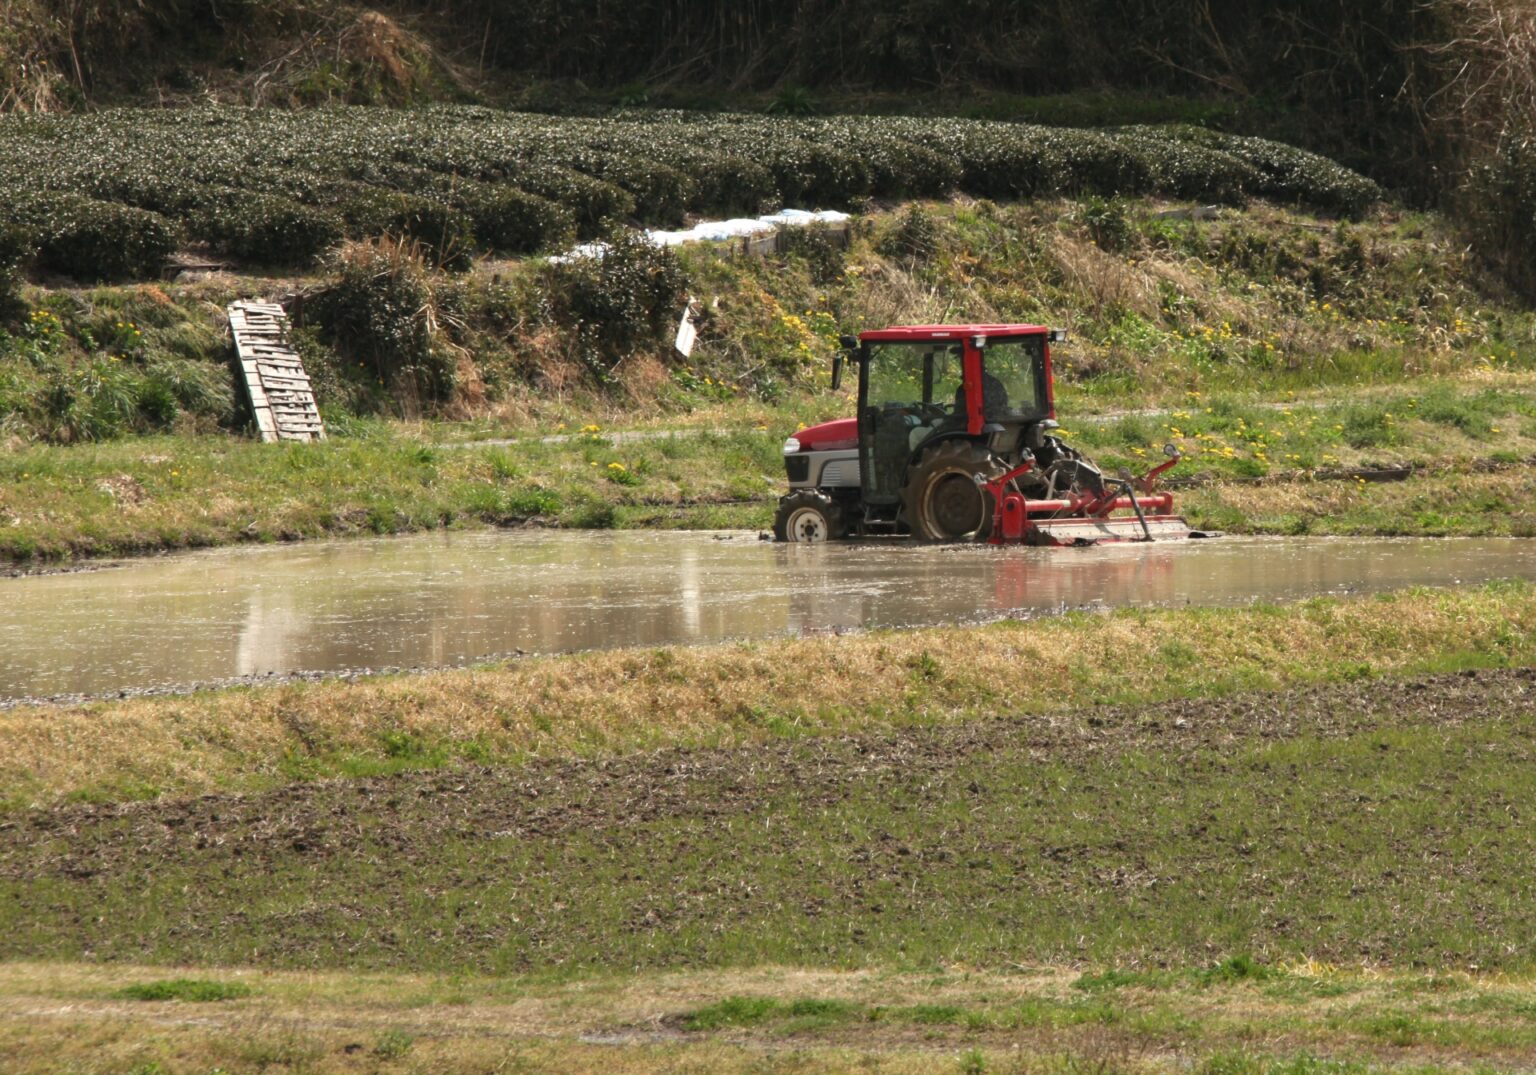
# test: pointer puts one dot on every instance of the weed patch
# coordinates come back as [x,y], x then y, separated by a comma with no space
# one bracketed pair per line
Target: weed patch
[191,990]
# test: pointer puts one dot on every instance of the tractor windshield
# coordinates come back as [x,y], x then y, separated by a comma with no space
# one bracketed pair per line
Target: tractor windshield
[1014,377]
[912,375]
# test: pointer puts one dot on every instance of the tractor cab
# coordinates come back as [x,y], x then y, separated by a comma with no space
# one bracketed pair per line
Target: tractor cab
[954,436]
[982,390]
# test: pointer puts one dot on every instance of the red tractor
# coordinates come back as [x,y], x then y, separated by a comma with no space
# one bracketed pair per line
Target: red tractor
[955,441]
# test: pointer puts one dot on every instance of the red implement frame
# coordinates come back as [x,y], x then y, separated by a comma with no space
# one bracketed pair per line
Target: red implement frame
[1082,520]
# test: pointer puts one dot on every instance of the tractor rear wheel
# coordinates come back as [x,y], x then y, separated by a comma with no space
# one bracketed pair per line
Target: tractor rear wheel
[942,500]
[808,516]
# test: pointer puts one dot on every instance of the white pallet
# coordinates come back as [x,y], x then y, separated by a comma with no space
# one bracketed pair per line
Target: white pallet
[279,389]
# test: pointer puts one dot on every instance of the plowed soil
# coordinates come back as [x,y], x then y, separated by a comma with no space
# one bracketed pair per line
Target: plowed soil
[1378,821]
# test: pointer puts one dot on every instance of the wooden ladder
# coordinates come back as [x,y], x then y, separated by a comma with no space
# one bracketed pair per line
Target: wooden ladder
[275,381]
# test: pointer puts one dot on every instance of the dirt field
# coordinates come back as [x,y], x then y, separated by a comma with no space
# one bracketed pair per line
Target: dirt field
[1175,833]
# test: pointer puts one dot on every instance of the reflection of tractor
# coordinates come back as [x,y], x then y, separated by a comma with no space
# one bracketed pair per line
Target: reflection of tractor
[954,441]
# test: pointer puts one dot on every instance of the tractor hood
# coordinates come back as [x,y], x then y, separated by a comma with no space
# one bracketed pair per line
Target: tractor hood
[830,436]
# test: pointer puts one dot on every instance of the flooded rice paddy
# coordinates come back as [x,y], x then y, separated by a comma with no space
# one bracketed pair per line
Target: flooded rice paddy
[453,598]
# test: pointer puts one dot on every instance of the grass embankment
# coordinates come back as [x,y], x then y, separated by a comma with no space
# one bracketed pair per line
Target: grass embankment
[168,492]
[1236,1017]
[149,494]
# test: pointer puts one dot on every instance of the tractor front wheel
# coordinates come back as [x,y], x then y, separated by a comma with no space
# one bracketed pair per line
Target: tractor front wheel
[808,516]
[942,500]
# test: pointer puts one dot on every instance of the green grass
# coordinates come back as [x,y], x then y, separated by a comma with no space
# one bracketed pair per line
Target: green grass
[194,990]
[168,492]
[1222,437]
[154,493]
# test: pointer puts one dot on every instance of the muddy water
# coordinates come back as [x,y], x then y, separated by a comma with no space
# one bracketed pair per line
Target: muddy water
[443,599]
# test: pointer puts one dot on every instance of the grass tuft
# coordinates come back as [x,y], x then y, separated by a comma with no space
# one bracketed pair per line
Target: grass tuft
[192,990]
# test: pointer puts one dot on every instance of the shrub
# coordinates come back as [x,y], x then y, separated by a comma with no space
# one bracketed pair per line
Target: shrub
[379,310]
[444,234]
[91,240]
[266,229]
[512,221]
[1186,169]
[1092,163]
[820,176]
[1107,222]
[13,251]
[415,173]
[661,193]
[153,185]
[594,203]
[1011,164]
[1288,174]
[823,254]
[730,184]
[899,169]
[915,237]
[626,298]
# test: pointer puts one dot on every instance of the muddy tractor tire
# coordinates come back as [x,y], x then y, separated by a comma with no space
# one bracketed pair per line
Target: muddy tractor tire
[942,500]
[808,517]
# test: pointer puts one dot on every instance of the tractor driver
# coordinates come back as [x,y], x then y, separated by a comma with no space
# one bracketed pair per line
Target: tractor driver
[994,398]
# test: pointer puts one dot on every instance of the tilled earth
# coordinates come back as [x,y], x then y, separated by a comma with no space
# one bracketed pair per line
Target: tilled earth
[1383,821]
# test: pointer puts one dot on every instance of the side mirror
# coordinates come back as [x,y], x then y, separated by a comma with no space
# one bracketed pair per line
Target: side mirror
[1171,450]
[848,343]
[837,372]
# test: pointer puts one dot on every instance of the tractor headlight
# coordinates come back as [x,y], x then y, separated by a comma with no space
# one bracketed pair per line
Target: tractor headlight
[792,445]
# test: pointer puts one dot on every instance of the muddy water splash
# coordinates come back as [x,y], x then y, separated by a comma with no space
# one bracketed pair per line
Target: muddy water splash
[443,599]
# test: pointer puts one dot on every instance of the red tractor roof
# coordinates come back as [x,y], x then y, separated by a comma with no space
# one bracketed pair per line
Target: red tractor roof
[921,333]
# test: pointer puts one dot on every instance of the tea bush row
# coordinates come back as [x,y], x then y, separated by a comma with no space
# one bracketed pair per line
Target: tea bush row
[109,192]
[90,239]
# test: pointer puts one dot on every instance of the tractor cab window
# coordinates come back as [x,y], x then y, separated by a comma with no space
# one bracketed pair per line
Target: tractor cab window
[919,378]
[1012,372]
[909,395]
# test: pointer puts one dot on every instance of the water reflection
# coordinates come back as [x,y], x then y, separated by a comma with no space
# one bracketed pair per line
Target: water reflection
[444,598]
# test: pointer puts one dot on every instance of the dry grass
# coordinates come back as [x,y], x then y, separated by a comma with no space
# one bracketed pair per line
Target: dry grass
[1448,503]
[58,1016]
[723,695]
[1106,283]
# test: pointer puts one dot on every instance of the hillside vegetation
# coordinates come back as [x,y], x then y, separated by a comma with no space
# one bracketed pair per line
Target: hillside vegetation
[278,189]
[1436,99]
[1378,339]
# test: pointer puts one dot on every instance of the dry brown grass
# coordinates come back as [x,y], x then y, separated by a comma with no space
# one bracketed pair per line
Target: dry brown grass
[62,1017]
[895,295]
[642,699]
[1105,282]
[1355,507]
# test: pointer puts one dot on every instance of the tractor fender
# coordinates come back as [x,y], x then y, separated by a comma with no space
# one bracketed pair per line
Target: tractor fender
[940,438]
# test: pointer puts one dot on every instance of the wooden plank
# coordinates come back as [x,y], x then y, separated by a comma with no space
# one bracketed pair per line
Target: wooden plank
[281,394]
